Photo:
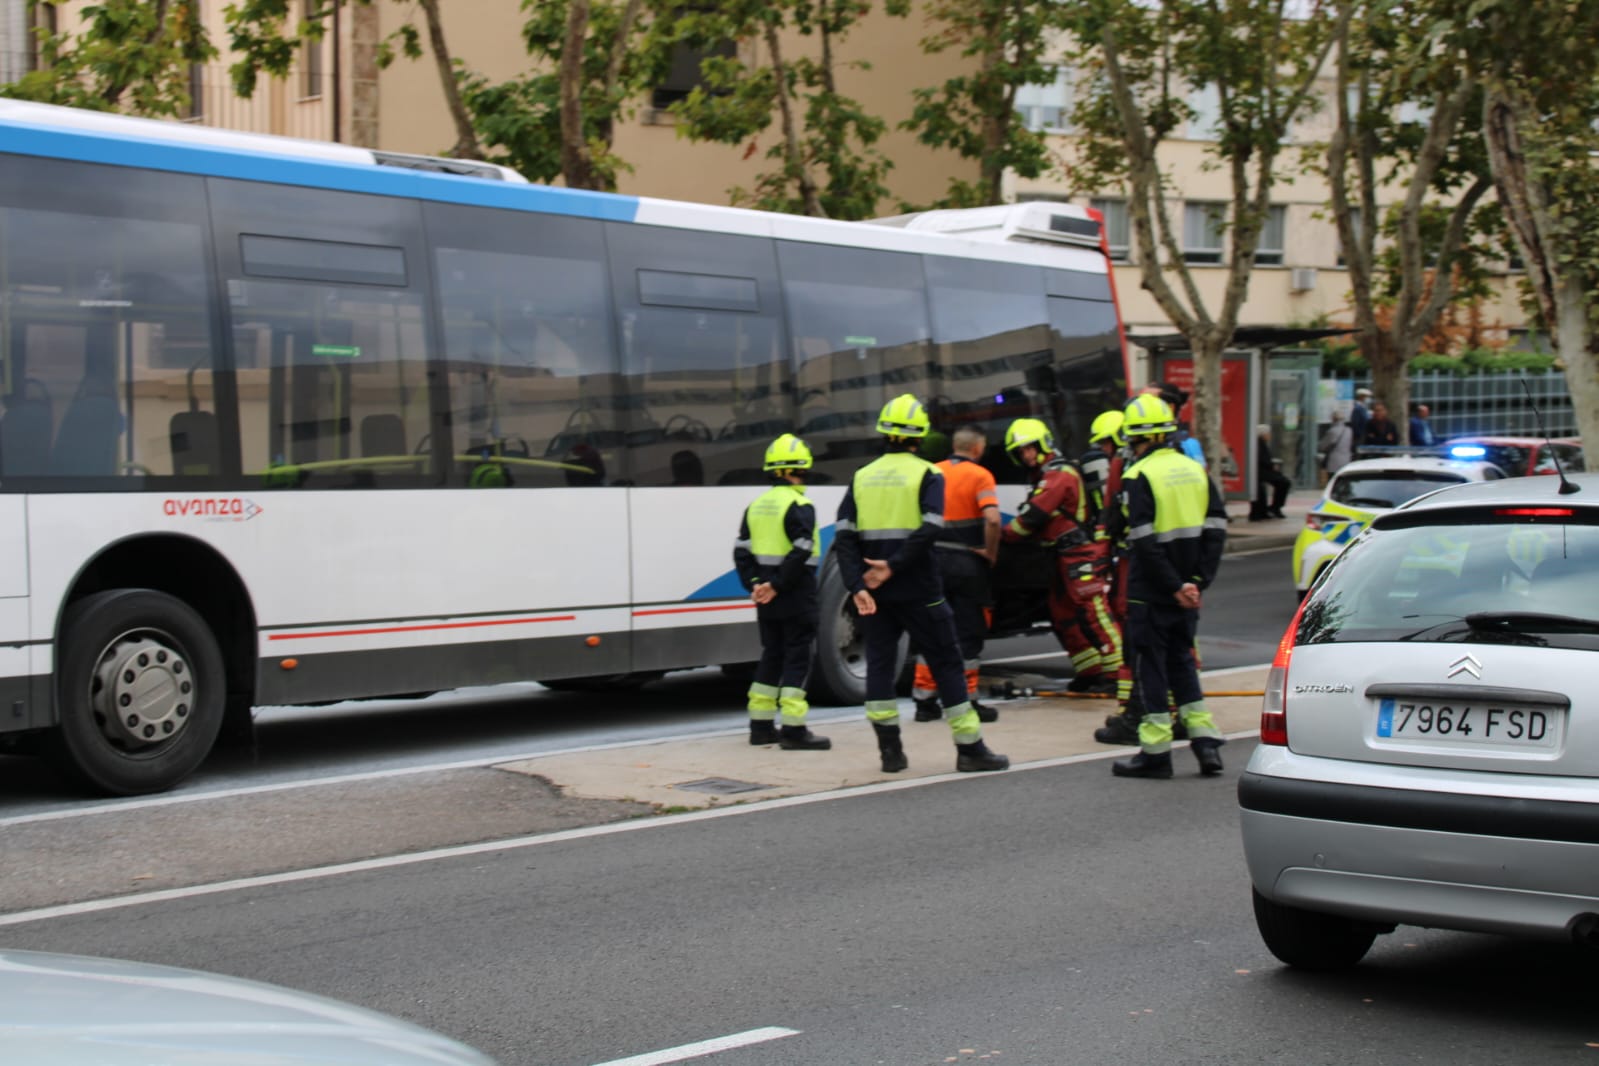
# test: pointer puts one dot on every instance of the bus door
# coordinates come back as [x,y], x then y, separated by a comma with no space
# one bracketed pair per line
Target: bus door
[709,385]
[339,438]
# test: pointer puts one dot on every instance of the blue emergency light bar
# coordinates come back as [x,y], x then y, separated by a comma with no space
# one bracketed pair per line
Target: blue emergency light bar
[1467,451]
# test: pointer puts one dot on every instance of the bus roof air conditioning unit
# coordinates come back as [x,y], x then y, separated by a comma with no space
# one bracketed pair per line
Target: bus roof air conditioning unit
[1302,279]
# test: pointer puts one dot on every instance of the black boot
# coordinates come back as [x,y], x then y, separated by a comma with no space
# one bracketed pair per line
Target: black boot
[985,713]
[1208,751]
[1118,729]
[889,747]
[1144,765]
[1099,685]
[800,738]
[975,758]
[763,731]
[929,710]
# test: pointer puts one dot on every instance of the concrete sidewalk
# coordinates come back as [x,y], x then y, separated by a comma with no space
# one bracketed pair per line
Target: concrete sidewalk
[1244,535]
[665,774]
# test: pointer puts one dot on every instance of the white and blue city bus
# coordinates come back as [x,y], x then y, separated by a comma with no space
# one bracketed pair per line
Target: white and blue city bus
[291,423]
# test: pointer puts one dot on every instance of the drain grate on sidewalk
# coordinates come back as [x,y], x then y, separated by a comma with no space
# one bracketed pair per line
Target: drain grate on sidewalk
[721,786]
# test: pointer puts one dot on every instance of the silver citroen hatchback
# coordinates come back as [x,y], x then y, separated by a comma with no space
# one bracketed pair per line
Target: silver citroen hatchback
[1430,733]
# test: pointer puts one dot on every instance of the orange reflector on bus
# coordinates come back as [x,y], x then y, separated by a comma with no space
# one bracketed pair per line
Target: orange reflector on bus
[289,664]
[592,642]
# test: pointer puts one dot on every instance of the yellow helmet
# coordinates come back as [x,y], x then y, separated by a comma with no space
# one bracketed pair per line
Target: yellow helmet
[903,416]
[787,452]
[1108,426]
[1025,431]
[1148,416]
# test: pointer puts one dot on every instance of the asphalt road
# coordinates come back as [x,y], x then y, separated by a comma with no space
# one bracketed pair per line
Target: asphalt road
[1243,618]
[1045,917]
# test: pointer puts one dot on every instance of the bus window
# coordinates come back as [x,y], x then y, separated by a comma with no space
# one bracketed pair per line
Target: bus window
[105,334]
[990,331]
[1090,375]
[707,378]
[328,317]
[858,323]
[527,343]
[333,387]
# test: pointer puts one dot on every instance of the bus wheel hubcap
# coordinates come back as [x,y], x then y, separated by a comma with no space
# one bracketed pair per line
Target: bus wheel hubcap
[143,691]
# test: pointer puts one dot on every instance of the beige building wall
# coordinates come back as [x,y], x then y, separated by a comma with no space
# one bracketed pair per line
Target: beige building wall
[487,36]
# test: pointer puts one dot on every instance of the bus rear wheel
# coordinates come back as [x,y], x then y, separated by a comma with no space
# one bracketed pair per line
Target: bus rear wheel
[140,688]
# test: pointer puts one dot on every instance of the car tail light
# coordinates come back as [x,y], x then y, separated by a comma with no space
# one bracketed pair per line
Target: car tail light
[1534,512]
[1313,520]
[1274,708]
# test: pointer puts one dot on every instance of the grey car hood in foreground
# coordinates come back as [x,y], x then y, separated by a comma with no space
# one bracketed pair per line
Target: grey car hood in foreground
[70,1009]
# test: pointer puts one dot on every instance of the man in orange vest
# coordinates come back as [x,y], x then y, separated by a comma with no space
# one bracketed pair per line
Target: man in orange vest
[965,549]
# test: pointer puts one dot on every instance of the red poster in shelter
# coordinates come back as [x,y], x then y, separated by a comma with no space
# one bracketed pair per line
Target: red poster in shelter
[1232,470]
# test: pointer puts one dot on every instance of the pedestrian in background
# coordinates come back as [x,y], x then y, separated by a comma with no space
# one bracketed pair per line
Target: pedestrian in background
[965,549]
[887,522]
[1177,528]
[1421,434]
[1337,445]
[1381,431]
[1359,415]
[775,555]
[1268,478]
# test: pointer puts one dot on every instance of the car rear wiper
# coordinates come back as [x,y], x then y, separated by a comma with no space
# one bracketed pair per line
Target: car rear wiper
[1531,622]
[1457,628]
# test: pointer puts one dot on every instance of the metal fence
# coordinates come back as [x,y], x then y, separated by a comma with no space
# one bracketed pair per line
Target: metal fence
[1490,404]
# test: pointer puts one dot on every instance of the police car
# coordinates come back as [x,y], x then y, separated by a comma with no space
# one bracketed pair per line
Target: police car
[1366,488]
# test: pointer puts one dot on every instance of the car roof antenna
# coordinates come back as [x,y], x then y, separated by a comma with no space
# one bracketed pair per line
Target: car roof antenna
[1566,487]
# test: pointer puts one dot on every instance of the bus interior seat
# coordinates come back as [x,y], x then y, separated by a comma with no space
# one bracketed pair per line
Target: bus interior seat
[196,443]
[86,442]
[25,431]
[382,434]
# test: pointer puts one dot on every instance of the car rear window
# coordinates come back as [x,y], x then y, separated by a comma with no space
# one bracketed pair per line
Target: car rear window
[1475,582]
[1388,488]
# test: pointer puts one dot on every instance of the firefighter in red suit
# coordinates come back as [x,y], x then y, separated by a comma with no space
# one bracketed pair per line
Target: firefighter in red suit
[1057,514]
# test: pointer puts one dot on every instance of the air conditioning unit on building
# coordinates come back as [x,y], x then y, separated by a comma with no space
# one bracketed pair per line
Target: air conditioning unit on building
[1302,279]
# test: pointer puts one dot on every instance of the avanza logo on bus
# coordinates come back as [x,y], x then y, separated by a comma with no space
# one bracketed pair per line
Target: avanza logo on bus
[216,508]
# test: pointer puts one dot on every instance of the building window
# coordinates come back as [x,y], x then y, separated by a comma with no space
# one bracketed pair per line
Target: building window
[43,21]
[683,72]
[1354,224]
[1202,232]
[1046,107]
[310,57]
[1116,232]
[1205,124]
[1273,233]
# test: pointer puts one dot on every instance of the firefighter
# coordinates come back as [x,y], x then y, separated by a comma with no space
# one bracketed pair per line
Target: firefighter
[1057,514]
[965,549]
[1176,529]
[775,555]
[890,515]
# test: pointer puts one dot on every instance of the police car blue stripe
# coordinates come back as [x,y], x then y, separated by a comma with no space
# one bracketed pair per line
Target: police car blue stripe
[223,162]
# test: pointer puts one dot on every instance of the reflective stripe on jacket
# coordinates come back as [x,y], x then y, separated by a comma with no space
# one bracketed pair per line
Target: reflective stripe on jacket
[892,510]
[1177,525]
[777,544]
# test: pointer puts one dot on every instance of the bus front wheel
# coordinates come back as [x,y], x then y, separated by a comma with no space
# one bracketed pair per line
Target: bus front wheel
[140,689]
[839,676]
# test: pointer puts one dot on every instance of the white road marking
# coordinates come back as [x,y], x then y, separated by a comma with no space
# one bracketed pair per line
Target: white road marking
[83,810]
[704,1047]
[317,873]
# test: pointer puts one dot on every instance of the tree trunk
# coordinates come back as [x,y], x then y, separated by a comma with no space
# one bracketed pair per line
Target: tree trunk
[1206,426]
[466,142]
[793,155]
[577,160]
[1390,383]
[1576,343]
